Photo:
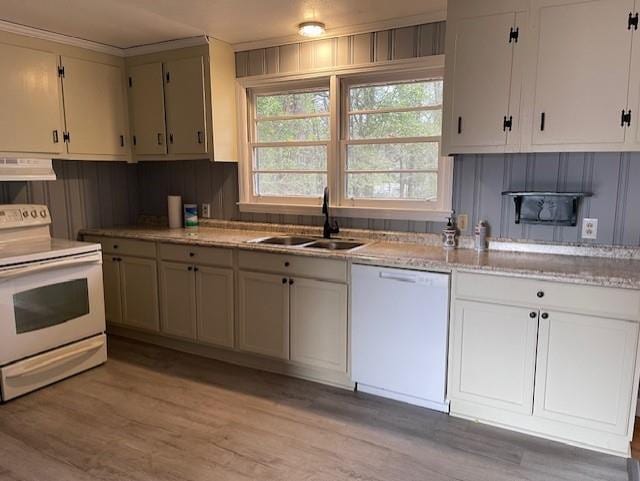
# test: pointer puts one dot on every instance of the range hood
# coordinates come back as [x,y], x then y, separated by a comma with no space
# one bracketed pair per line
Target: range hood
[13,169]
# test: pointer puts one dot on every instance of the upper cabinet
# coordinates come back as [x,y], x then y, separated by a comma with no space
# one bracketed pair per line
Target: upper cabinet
[31,116]
[94,107]
[146,101]
[566,80]
[195,94]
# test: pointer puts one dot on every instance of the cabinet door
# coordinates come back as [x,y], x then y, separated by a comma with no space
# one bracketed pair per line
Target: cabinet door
[184,93]
[582,79]
[264,314]
[585,371]
[94,107]
[178,298]
[139,279]
[214,306]
[31,115]
[112,289]
[479,77]
[146,102]
[493,351]
[319,324]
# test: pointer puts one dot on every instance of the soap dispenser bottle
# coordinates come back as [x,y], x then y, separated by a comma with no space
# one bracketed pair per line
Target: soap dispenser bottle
[449,235]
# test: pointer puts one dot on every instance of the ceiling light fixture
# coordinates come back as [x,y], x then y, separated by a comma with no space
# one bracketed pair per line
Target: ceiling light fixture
[311,29]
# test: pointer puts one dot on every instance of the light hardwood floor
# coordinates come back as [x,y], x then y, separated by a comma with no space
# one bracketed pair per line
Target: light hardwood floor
[155,414]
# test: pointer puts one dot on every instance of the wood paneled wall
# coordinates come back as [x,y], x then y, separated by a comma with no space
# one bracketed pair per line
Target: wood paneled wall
[85,194]
[395,44]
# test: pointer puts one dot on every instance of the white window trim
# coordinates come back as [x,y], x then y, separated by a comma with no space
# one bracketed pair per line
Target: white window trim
[426,67]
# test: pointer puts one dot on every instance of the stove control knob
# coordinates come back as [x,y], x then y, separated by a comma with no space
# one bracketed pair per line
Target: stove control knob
[34,213]
[43,213]
[25,214]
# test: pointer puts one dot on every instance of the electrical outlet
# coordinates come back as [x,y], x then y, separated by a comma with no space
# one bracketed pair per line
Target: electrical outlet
[462,221]
[206,211]
[589,228]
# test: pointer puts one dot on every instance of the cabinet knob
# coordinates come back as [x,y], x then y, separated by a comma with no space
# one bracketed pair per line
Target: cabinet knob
[115,246]
[195,269]
[290,282]
[540,294]
[191,254]
[287,264]
[284,281]
[533,315]
[114,259]
[545,315]
[190,268]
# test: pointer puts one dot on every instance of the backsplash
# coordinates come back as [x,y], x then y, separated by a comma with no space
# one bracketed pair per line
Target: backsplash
[105,194]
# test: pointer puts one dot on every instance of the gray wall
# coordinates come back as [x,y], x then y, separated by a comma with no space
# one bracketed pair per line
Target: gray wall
[613,178]
[85,194]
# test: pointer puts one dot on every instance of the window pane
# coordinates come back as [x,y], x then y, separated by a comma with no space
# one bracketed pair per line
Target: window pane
[393,186]
[313,128]
[415,94]
[290,185]
[395,124]
[291,158]
[293,103]
[423,155]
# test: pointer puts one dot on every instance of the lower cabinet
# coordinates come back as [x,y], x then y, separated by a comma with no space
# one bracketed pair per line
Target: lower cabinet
[263,321]
[518,358]
[493,358]
[319,323]
[131,291]
[197,302]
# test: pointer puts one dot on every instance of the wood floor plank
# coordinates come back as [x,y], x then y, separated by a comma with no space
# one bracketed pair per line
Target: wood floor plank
[155,414]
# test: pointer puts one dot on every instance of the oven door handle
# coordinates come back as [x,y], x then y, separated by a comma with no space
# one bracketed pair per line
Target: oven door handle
[46,266]
[31,368]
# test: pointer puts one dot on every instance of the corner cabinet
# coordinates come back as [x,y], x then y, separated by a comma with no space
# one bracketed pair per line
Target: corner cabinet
[194,90]
[551,359]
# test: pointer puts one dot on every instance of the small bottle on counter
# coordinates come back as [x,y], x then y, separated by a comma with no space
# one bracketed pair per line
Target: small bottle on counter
[449,235]
[480,235]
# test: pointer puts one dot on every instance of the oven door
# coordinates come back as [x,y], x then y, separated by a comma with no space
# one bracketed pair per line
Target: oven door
[48,304]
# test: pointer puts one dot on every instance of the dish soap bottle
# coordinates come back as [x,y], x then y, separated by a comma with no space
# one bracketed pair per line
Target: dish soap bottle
[449,235]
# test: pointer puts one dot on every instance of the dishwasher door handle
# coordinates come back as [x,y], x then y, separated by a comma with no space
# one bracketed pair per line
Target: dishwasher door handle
[399,277]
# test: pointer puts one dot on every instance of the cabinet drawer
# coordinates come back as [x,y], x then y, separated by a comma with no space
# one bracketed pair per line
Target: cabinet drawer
[604,301]
[126,247]
[315,268]
[195,254]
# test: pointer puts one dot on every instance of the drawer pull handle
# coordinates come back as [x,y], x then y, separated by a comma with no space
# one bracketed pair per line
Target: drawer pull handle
[533,315]
[540,294]
[545,315]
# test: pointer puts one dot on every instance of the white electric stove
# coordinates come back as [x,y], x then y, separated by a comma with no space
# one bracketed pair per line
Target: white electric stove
[52,322]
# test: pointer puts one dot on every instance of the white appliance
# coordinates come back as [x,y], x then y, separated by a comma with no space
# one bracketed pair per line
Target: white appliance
[52,320]
[14,168]
[399,334]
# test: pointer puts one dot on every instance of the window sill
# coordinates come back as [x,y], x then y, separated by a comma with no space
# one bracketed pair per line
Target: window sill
[351,212]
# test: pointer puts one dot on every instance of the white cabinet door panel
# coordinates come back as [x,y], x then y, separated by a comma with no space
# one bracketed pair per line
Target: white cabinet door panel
[319,324]
[178,297]
[94,107]
[583,63]
[30,101]
[493,355]
[139,279]
[479,75]
[146,101]
[215,306]
[585,371]
[264,314]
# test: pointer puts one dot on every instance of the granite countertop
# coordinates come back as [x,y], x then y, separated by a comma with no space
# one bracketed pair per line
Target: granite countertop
[600,271]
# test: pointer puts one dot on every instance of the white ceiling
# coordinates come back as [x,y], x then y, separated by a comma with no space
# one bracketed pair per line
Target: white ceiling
[128,23]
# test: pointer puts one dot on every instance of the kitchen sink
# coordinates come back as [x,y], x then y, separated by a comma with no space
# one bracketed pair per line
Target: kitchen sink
[334,245]
[285,241]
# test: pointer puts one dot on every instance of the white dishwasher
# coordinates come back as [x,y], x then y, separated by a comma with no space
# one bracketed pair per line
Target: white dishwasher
[399,334]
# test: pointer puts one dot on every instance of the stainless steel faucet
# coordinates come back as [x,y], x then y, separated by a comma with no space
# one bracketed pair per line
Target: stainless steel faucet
[329,227]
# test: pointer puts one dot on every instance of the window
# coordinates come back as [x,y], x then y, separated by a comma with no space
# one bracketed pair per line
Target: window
[373,138]
[290,144]
[391,142]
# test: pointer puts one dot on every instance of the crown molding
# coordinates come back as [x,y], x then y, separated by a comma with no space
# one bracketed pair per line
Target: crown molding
[168,45]
[345,31]
[58,38]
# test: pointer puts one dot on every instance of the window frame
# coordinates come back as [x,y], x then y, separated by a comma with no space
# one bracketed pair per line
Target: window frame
[442,171]
[336,78]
